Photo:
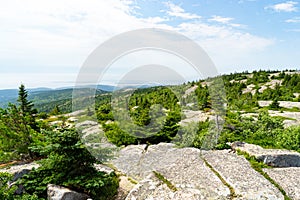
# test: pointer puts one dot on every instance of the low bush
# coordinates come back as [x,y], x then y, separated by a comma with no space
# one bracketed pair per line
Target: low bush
[69,164]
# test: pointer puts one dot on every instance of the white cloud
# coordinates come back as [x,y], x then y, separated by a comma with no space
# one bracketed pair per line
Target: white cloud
[57,39]
[177,11]
[220,38]
[227,47]
[223,20]
[155,20]
[293,20]
[289,6]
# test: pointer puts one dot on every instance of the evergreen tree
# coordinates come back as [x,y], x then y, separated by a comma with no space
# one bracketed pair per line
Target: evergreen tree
[18,127]
[26,108]
[25,105]
[55,111]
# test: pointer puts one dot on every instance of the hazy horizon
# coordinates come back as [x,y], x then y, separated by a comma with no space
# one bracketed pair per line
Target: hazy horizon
[44,44]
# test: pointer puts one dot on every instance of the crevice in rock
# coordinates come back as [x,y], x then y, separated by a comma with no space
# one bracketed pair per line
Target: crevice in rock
[146,148]
[165,181]
[233,195]
[258,166]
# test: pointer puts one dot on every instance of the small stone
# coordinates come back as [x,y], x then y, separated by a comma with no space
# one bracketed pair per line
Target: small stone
[55,192]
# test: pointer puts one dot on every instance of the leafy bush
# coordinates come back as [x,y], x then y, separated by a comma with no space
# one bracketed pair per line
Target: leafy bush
[290,138]
[157,107]
[117,136]
[69,164]
[263,131]
[8,193]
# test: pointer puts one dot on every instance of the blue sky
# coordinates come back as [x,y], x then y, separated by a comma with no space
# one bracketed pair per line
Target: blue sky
[43,43]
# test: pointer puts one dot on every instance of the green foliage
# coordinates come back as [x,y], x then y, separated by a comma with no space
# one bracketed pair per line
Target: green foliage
[19,128]
[5,191]
[202,132]
[263,131]
[290,138]
[8,193]
[26,108]
[144,110]
[46,101]
[258,77]
[203,97]
[69,164]
[55,111]
[274,105]
[104,113]
[117,136]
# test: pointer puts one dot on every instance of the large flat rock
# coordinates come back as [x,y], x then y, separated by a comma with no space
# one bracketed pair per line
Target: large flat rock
[237,171]
[272,157]
[182,167]
[151,188]
[288,179]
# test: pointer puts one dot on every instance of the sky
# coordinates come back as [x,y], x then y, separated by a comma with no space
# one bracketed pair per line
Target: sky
[44,43]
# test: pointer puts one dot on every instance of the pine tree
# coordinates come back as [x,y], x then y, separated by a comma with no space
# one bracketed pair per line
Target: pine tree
[26,108]
[25,105]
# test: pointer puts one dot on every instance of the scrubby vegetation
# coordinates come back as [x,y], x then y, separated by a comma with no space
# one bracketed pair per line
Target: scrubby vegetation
[65,160]
[145,116]
[68,164]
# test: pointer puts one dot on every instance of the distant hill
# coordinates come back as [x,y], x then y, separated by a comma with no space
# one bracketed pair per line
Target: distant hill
[43,96]
[59,96]
[6,96]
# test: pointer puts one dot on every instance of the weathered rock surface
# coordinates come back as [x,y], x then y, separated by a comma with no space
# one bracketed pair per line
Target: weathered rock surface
[55,192]
[285,104]
[237,172]
[185,169]
[190,177]
[125,186]
[182,167]
[86,124]
[19,170]
[152,188]
[193,116]
[272,157]
[103,168]
[94,139]
[288,179]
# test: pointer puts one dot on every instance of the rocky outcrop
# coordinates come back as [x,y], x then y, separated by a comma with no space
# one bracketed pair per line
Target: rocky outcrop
[153,188]
[288,179]
[195,174]
[55,192]
[238,173]
[183,168]
[165,171]
[19,170]
[193,116]
[284,104]
[272,157]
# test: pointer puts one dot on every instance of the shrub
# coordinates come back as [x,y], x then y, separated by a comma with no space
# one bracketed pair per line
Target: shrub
[69,164]
[290,138]
[7,192]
